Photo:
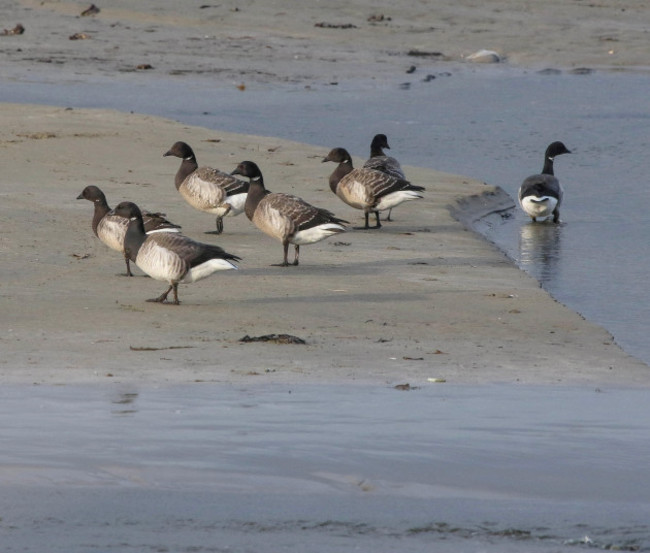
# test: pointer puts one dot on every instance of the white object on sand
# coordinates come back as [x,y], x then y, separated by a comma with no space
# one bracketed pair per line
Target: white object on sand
[484,56]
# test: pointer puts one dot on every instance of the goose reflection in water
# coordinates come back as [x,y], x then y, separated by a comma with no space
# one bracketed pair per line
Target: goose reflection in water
[123,402]
[539,250]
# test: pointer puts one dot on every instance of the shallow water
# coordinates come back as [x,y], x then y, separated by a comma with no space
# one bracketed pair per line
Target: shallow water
[489,123]
[323,468]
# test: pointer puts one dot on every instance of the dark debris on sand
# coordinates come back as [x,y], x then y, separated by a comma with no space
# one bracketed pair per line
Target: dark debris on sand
[274,338]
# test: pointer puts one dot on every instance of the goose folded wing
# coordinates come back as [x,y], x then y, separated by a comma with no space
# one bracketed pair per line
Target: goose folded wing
[301,214]
[235,186]
[192,253]
[540,185]
[157,221]
[382,184]
[206,184]
[385,164]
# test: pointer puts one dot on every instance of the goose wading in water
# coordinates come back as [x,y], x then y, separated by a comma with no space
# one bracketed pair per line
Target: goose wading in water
[540,196]
[286,217]
[170,257]
[368,189]
[111,229]
[379,161]
[207,189]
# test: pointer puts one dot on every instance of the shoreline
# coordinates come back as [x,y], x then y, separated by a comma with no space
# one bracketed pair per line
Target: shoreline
[423,298]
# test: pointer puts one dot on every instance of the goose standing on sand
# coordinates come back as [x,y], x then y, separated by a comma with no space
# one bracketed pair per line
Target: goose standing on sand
[207,189]
[541,195]
[368,189]
[288,218]
[111,229]
[379,161]
[170,257]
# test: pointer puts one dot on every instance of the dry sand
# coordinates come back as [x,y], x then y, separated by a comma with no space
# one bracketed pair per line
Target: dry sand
[424,298]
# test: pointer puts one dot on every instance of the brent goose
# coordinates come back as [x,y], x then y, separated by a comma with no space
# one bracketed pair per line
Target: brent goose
[381,162]
[286,217]
[111,229]
[168,256]
[368,189]
[207,189]
[541,195]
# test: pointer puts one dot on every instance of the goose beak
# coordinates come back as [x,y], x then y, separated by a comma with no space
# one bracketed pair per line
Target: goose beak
[80,196]
[168,153]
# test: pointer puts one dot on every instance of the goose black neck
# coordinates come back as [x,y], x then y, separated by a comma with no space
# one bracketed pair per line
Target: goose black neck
[101,209]
[188,166]
[343,169]
[134,238]
[376,151]
[256,192]
[548,166]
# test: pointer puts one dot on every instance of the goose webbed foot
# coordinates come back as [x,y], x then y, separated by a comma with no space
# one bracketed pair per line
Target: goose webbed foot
[368,227]
[163,297]
[219,229]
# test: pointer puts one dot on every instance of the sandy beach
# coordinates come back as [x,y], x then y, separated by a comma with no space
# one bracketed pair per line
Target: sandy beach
[424,298]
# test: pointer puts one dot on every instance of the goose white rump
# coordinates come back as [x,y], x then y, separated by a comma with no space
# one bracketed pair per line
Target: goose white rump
[538,207]
[316,234]
[395,198]
[161,263]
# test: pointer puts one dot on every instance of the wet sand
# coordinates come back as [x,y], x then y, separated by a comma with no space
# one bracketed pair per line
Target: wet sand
[424,298]
[324,468]
[236,42]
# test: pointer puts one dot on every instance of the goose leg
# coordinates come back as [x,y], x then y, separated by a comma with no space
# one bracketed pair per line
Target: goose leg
[219,227]
[388,216]
[295,259]
[175,287]
[367,225]
[163,296]
[128,267]
[285,263]
[556,216]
